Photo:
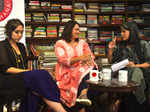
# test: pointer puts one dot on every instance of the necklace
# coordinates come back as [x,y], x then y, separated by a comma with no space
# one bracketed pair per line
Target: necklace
[18,60]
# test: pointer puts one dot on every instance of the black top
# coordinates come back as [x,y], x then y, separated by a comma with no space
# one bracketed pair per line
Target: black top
[9,58]
[122,52]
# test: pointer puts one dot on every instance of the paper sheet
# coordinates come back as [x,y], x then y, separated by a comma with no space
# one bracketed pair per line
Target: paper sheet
[119,65]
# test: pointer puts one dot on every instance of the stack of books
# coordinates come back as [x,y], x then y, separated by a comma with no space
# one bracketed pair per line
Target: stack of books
[117,19]
[104,19]
[55,6]
[65,17]
[91,19]
[83,32]
[99,50]
[146,7]
[53,17]
[81,19]
[79,7]
[38,17]
[138,19]
[105,36]
[118,7]
[92,8]
[106,7]
[40,31]
[51,31]
[28,17]
[92,33]
[34,4]
[66,7]
[45,4]
[28,31]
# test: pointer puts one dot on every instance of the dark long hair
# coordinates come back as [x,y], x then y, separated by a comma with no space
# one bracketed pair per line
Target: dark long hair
[67,32]
[11,25]
[134,38]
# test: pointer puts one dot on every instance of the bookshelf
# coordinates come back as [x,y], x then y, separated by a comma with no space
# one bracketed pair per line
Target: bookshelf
[99,20]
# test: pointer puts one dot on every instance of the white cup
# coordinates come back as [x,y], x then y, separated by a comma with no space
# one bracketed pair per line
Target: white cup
[95,75]
[123,76]
[106,74]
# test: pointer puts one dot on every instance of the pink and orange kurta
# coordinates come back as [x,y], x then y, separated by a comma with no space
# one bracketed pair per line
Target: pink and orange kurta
[69,76]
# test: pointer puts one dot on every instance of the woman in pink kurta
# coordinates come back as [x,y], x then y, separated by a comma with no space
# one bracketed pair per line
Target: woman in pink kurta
[75,60]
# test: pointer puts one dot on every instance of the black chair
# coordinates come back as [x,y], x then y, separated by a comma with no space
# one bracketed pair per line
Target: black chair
[8,92]
[7,99]
[8,95]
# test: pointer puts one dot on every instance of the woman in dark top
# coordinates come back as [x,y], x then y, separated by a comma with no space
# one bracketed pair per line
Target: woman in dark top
[129,48]
[15,73]
[143,53]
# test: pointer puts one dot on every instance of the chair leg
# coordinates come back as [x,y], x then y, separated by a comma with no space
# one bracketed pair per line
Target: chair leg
[1,108]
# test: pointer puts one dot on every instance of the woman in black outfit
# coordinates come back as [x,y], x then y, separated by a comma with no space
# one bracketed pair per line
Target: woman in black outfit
[16,75]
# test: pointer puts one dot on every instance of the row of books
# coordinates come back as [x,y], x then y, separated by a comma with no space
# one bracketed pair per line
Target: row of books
[95,7]
[105,7]
[49,17]
[141,7]
[82,19]
[94,19]
[88,7]
[85,32]
[41,31]
[53,31]
[35,4]
[110,19]
[85,19]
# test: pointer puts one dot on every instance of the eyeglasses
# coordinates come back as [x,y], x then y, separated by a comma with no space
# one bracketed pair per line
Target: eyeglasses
[18,31]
